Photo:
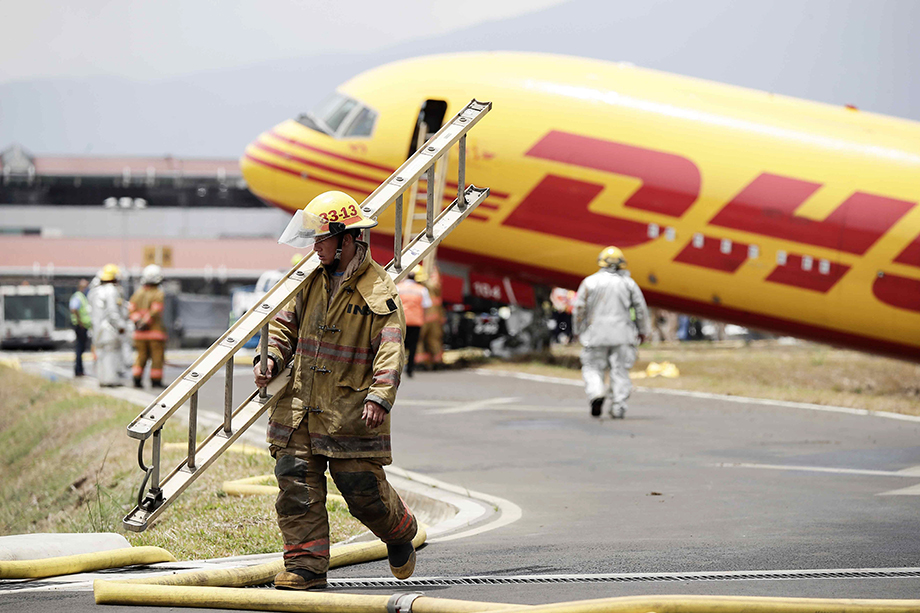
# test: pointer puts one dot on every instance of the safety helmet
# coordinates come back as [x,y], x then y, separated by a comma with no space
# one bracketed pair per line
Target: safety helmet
[611,257]
[109,273]
[418,273]
[329,214]
[152,275]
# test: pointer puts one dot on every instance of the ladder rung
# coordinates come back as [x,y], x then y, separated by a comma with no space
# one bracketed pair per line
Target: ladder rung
[209,450]
[150,422]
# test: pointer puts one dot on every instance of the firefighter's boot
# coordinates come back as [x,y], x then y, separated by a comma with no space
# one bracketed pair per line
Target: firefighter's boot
[138,383]
[300,579]
[596,406]
[402,560]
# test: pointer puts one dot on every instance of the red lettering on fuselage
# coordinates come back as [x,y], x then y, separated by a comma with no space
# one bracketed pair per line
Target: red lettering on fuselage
[670,183]
[911,254]
[897,291]
[558,206]
[766,207]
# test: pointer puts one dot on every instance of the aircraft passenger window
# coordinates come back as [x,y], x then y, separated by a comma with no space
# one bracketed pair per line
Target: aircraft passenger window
[363,124]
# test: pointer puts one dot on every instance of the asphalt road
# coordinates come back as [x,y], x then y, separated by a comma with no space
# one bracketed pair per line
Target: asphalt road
[682,497]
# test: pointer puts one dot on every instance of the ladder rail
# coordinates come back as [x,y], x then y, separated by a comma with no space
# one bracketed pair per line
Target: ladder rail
[220,354]
[209,362]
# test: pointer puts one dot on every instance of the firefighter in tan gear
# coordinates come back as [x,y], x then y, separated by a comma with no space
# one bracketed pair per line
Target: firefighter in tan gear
[344,334]
[146,311]
[431,339]
[603,319]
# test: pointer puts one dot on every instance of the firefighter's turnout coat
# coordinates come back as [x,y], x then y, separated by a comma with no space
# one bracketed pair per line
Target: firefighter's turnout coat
[347,347]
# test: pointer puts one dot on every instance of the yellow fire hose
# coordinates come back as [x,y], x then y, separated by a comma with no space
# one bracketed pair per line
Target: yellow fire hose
[209,589]
[82,563]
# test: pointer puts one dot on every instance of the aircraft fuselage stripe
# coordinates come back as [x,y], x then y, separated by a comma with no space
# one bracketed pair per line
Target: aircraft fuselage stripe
[314,149]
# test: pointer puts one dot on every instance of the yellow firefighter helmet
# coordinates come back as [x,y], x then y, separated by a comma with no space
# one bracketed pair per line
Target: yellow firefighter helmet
[418,273]
[109,273]
[337,212]
[611,257]
[329,214]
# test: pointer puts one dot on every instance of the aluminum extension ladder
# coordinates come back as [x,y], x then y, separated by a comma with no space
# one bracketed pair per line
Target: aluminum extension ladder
[156,494]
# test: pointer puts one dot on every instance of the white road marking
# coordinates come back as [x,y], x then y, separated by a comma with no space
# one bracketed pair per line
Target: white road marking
[469,407]
[912,472]
[705,395]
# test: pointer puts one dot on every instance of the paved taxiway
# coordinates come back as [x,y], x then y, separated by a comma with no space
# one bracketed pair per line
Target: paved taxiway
[684,484]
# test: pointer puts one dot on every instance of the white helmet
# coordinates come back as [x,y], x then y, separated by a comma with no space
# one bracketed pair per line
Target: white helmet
[152,275]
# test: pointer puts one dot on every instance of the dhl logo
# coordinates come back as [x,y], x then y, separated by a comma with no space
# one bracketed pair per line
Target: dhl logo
[559,206]
[773,213]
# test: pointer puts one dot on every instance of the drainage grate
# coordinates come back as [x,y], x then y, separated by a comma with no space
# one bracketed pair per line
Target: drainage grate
[767,575]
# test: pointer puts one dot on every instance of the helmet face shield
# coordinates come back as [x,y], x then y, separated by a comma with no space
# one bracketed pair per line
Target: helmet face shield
[304,230]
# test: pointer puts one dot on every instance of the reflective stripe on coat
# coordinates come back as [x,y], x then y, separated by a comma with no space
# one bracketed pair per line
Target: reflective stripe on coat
[346,349]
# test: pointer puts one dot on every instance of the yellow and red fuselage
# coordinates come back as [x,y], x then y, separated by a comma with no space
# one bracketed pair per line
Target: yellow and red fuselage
[739,205]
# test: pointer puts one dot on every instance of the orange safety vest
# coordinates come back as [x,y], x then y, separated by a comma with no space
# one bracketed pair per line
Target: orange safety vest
[412,294]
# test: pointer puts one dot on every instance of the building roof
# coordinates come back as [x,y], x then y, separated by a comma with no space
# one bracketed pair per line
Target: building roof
[52,165]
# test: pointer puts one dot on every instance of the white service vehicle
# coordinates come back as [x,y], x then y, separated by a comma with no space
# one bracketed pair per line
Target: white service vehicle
[26,316]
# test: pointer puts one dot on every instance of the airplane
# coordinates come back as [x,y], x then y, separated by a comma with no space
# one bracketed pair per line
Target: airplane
[737,205]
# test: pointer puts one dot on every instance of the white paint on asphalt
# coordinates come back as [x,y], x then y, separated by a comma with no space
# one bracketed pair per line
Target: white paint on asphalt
[469,407]
[912,473]
[708,396]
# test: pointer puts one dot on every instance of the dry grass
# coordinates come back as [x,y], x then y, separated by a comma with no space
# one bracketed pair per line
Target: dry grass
[66,465]
[800,372]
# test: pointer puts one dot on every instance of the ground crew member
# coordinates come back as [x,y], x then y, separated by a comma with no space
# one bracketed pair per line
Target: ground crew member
[108,325]
[602,317]
[146,311]
[415,300]
[431,339]
[82,323]
[344,333]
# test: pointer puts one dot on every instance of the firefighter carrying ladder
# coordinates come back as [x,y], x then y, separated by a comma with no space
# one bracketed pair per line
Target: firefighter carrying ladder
[156,493]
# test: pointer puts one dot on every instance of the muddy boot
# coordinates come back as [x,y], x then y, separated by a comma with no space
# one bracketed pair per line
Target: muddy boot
[402,560]
[300,579]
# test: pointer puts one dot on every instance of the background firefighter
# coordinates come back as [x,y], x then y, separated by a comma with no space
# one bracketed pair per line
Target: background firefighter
[416,301]
[108,325]
[605,305]
[146,311]
[431,338]
[344,333]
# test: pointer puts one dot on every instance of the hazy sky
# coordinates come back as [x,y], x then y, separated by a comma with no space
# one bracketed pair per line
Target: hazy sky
[146,39]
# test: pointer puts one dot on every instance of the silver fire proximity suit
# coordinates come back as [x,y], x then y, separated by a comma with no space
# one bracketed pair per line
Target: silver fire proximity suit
[608,334]
[108,325]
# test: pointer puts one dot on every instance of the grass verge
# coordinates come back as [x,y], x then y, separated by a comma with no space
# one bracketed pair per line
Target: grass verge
[66,465]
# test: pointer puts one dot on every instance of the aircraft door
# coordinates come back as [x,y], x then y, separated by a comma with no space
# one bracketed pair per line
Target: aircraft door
[430,117]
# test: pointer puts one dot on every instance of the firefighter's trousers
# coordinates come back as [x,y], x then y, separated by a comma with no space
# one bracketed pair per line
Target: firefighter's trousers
[301,503]
[109,363]
[596,361]
[155,352]
[431,343]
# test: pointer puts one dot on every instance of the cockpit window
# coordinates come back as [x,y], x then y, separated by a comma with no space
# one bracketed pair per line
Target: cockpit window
[363,123]
[340,116]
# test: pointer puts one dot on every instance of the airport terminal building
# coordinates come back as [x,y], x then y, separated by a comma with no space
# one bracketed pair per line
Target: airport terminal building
[65,217]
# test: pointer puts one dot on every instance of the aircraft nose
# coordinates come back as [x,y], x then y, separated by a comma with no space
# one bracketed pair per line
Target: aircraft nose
[255,172]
